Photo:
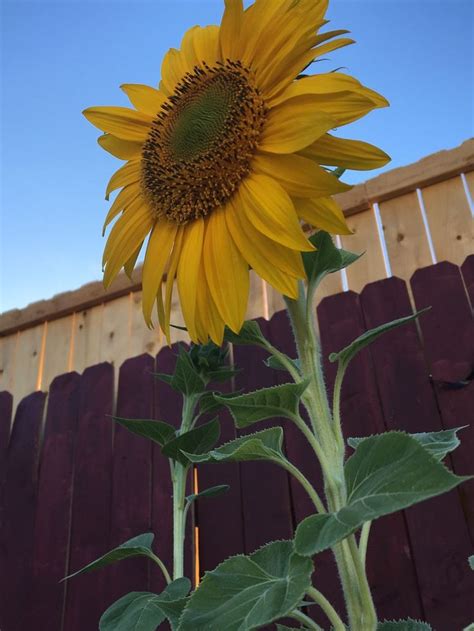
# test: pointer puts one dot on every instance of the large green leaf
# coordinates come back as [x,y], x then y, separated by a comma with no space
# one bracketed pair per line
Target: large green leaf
[273,362]
[250,335]
[144,611]
[403,625]
[326,259]
[208,403]
[345,355]
[196,441]
[213,491]
[186,378]
[256,406]
[439,444]
[248,592]
[388,472]
[157,431]
[264,445]
[137,546]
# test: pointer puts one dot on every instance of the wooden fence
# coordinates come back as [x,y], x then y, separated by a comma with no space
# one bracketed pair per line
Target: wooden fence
[75,485]
[404,219]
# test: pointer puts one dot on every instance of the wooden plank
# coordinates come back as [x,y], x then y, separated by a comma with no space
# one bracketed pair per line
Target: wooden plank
[6,403]
[450,220]
[365,239]
[58,348]
[8,346]
[470,183]
[115,333]
[258,303]
[265,487]
[17,535]
[438,534]
[52,524]
[28,358]
[467,270]
[405,235]
[341,320]
[87,338]
[90,519]
[142,339]
[448,335]
[168,406]
[131,490]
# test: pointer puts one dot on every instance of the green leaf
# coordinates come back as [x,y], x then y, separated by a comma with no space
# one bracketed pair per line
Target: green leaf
[256,406]
[162,376]
[275,363]
[249,592]
[208,404]
[212,491]
[403,625]
[326,259]
[250,335]
[345,355]
[196,441]
[137,546]
[471,562]
[157,431]
[186,378]
[439,444]
[144,611]
[388,472]
[223,374]
[265,445]
[282,627]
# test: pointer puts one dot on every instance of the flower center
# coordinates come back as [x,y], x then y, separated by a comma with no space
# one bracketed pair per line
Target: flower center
[202,142]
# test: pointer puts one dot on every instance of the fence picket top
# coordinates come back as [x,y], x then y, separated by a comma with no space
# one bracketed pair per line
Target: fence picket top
[131,474]
[467,269]
[409,403]
[52,523]
[19,501]
[341,320]
[90,517]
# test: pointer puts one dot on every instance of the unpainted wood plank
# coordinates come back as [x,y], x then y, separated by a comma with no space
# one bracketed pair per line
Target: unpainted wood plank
[470,183]
[87,338]
[405,235]
[58,350]
[131,490]
[341,321]
[450,220]
[257,306]
[115,331]
[437,529]
[90,519]
[448,338]
[365,239]
[275,300]
[8,346]
[17,529]
[467,270]
[53,513]
[28,361]
[143,339]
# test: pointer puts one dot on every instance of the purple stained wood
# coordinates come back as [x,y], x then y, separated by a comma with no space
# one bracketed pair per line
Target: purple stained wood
[265,487]
[467,270]
[52,524]
[222,515]
[6,402]
[448,341]
[131,475]
[341,321]
[409,403]
[90,520]
[168,406]
[17,533]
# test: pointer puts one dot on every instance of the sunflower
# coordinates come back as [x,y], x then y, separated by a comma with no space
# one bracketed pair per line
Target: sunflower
[223,162]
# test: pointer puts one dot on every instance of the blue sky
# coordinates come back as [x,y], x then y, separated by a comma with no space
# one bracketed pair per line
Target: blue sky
[60,57]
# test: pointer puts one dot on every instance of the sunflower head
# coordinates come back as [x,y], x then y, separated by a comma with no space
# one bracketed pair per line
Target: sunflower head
[227,158]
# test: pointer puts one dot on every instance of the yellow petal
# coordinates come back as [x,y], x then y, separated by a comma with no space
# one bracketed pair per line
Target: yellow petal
[229,35]
[226,271]
[135,209]
[122,149]
[269,208]
[173,69]
[156,258]
[345,153]
[128,174]
[145,98]
[206,44]
[130,264]
[125,197]
[188,272]
[322,213]
[293,125]
[299,176]
[187,48]
[120,121]
[170,276]
[278,265]
[210,323]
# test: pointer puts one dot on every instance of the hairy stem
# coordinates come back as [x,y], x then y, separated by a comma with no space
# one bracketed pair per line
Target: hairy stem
[308,487]
[306,620]
[328,609]
[162,567]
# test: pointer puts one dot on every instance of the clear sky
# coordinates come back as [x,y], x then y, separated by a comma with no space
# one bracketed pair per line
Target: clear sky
[60,57]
